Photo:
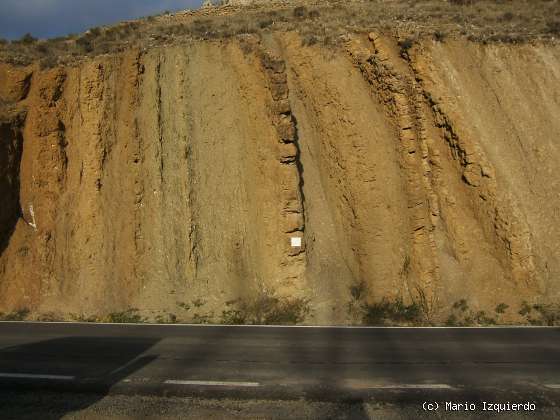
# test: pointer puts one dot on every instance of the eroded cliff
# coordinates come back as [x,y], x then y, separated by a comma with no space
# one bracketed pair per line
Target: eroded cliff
[172,179]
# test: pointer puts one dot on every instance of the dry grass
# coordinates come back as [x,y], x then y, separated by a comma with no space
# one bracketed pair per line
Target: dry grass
[266,309]
[326,22]
[17,315]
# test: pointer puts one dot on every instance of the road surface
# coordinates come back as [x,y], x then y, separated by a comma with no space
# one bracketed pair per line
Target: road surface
[315,363]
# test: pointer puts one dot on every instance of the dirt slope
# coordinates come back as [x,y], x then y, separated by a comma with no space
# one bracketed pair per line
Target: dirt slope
[172,180]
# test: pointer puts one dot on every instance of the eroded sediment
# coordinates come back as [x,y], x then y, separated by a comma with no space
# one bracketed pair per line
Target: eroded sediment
[172,179]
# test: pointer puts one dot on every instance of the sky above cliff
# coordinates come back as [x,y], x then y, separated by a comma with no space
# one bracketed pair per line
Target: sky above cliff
[51,18]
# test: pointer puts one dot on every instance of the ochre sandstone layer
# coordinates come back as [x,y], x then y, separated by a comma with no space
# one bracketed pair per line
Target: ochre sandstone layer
[152,179]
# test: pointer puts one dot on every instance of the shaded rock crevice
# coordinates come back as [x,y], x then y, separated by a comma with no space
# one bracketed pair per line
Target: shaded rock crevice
[11,148]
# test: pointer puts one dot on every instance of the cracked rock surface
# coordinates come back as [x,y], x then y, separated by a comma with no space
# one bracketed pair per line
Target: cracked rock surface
[152,179]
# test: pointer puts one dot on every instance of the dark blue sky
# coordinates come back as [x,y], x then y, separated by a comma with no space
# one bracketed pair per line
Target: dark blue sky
[50,18]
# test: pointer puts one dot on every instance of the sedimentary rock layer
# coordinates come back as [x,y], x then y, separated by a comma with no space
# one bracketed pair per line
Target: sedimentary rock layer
[155,179]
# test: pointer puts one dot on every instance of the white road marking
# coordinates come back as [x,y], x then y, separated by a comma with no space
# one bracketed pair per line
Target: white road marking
[552,386]
[33,376]
[211,383]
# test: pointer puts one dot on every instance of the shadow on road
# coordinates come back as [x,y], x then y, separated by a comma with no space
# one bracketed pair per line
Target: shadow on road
[97,363]
[350,366]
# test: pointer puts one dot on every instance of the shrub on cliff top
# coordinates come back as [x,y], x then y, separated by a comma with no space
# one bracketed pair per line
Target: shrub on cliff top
[406,44]
[27,39]
[300,11]
[553,27]
[463,2]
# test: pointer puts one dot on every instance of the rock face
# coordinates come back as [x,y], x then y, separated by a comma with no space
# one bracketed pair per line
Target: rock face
[177,177]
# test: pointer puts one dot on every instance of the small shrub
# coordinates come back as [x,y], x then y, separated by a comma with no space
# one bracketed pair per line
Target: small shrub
[200,28]
[507,39]
[184,306]
[314,14]
[506,17]
[198,303]
[406,44]
[83,318]
[300,12]
[201,319]
[480,318]
[85,44]
[541,314]
[309,40]
[287,311]
[49,317]
[439,36]
[245,28]
[234,317]
[129,316]
[501,308]
[95,31]
[461,305]
[553,27]
[28,39]
[126,29]
[266,309]
[42,48]
[103,47]
[358,290]
[265,23]
[462,2]
[452,321]
[394,312]
[17,315]
[166,319]
[525,309]
[462,316]
[246,47]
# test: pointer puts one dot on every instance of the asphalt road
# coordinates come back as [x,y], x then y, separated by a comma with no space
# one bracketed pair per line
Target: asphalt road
[395,364]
